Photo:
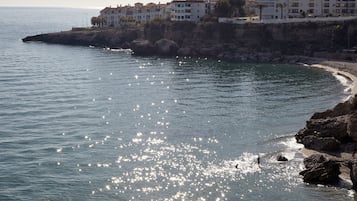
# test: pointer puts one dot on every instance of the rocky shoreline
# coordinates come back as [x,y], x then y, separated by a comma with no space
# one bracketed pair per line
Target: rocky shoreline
[330,137]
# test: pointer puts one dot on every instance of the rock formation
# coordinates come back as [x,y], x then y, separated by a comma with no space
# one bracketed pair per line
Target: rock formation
[281,158]
[333,131]
[320,170]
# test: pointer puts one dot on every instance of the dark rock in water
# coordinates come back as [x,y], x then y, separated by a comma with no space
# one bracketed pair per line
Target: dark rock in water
[321,143]
[166,47]
[142,47]
[320,170]
[185,51]
[353,173]
[281,158]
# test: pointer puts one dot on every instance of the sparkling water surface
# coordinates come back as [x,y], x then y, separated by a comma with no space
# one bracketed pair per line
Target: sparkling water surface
[81,123]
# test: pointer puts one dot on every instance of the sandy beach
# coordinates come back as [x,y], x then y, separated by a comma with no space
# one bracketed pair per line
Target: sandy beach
[346,69]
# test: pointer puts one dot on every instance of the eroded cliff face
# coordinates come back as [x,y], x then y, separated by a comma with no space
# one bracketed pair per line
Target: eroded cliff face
[229,41]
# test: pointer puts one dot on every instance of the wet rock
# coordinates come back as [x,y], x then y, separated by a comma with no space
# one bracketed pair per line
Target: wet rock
[331,127]
[320,170]
[281,158]
[321,143]
[166,47]
[185,51]
[142,47]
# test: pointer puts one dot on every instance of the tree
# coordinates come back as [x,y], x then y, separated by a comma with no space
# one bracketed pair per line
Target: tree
[94,21]
[260,7]
[98,21]
[223,8]
[281,6]
[238,6]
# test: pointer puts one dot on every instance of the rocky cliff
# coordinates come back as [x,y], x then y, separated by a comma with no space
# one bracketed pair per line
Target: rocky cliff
[333,133]
[228,41]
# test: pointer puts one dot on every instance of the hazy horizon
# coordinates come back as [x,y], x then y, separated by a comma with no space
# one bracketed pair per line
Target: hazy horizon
[95,4]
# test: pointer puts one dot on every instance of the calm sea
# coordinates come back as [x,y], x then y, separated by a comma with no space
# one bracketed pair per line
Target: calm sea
[80,123]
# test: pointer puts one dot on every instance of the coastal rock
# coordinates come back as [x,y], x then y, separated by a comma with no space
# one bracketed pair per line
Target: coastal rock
[328,130]
[330,127]
[321,143]
[166,47]
[320,170]
[281,158]
[212,51]
[185,51]
[352,127]
[142,47]
[339,110]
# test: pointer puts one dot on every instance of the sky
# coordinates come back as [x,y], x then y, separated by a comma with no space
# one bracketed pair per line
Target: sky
[72,3]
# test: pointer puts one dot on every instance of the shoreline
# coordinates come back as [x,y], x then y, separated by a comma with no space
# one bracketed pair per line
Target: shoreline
[349,71]
[343,68]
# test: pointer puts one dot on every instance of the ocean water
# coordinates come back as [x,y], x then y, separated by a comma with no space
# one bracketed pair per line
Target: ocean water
[81,123]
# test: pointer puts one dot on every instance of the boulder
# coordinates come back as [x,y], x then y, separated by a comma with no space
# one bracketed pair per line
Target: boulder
[142,47]
[320,170]
[185,51]
[321,143]
[166,47]
[281,158]
[330,127]
[339,110]
[352,127]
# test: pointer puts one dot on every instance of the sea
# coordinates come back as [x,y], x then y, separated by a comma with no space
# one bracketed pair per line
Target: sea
[90,123]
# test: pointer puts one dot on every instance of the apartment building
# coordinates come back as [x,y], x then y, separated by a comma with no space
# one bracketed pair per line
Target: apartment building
[139,13]
[283,9]
[190,10]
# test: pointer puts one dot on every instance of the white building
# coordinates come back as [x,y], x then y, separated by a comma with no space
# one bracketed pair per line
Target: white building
[283,9]
[190,10]
[272,9]
[323,8]
[138,13]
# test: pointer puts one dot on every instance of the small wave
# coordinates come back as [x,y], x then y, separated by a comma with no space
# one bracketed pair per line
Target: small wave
[246,163]
[346,82]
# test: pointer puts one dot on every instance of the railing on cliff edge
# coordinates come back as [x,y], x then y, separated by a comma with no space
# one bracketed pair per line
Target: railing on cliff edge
[255,20]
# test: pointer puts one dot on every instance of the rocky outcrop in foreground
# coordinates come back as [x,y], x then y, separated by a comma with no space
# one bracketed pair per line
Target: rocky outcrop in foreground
[320,170]
[333,132]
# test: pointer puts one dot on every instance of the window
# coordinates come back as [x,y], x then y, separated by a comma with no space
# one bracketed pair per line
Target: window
[295,4]
[326,5]
[294,10]
[311,5]
[326,11]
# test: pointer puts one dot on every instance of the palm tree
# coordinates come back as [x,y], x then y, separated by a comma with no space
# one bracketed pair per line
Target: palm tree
[281,6]
[94,21]
[260,7]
